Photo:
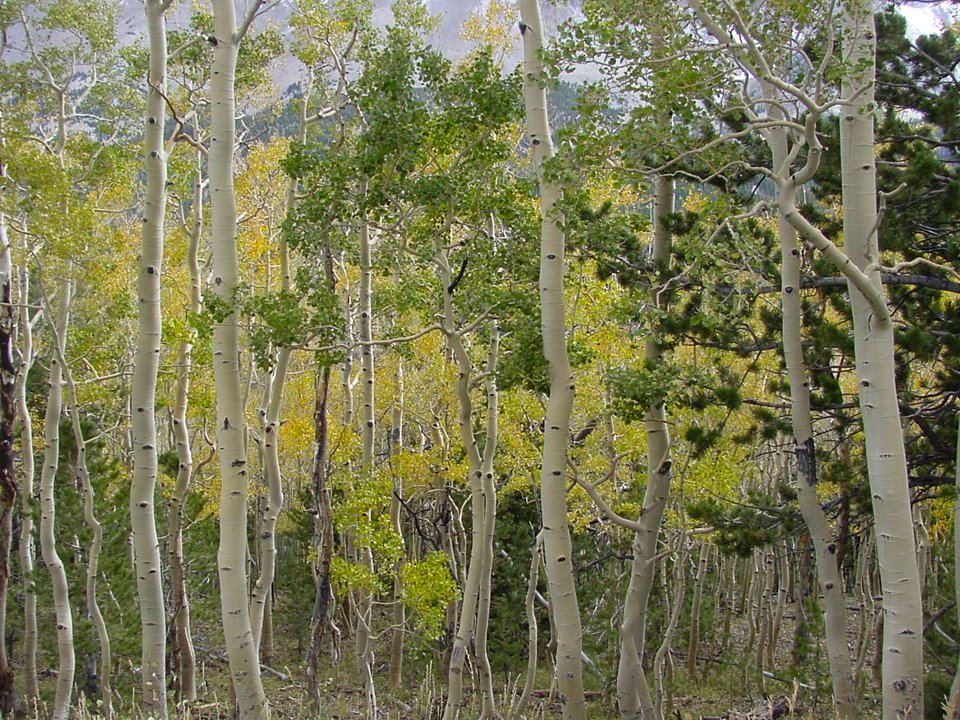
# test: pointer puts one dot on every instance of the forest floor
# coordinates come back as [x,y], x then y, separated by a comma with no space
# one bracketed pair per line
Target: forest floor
[729,684]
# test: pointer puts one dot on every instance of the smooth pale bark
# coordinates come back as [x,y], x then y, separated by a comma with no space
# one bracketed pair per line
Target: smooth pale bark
[271,476]
[634,698]
[828,574]
[48,543]
[96,531]
[483,509]
[184,660]
[146,362]
[363,652]
[8,418]
[231,445]
[488,521]
[557,545]
[260,599]
[31,689]
[902,685]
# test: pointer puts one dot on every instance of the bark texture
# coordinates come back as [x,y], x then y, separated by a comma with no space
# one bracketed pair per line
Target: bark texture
[556,434]
[902,669]
[231,445]
[48,542]
[146,544]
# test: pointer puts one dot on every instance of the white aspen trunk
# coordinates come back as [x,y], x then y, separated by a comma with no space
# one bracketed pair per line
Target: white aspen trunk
[146,362]
[232,554]
[96,530]
[489,497]
[31,689]
[185,660]
[260,601]
[902,685]
[48,542]
[271,475]
[362,648]
[694,644]
[557,545]
[828,574]
[633,690]
[471,587]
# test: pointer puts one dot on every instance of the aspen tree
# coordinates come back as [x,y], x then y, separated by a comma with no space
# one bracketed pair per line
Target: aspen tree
[873,330]
[474,610]
[48,542]
[231,445]
[143,521]
[557,545]
[859,262]
[362,647]
[828,573]
[94,525]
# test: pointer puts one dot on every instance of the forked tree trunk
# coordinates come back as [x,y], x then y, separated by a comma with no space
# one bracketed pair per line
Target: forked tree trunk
[828,574]
[480,477]
[48,544]
[271,475]
[902,668]
[146,544]
[231,446]
[558,548]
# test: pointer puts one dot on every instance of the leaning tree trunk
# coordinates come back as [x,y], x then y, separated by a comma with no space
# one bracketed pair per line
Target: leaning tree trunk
[143,521]
[231,446]
[8,418]
[828,573]
[96,531]
[48,542]
[902,685]
[558,549]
